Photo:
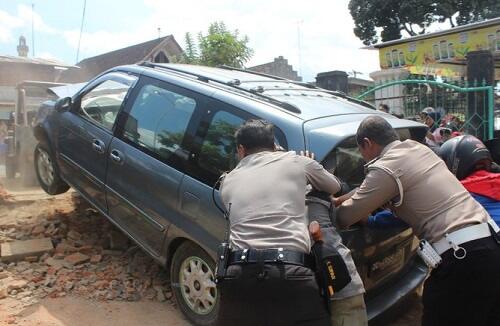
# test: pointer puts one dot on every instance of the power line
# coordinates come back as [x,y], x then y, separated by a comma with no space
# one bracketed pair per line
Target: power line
[81,30]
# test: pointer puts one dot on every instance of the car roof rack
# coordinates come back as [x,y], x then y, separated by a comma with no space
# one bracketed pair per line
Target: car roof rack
[234,83]
[307,85]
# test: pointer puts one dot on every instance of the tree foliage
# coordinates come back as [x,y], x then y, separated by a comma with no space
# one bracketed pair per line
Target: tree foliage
[414,16]
[467,11]
[219,47]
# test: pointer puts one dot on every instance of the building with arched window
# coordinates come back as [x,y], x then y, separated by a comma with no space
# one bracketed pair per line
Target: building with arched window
[442,53]
[469,52]
[161,50]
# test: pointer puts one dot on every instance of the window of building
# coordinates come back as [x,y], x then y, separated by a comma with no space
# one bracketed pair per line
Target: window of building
[160,57]
[491,42]
[158,120]
[388,59]
[443,50]
[494,41]
[412,47]
[435,52]
[498,40]
[395,58]
[402,58]
[451,50]
[463,37]
[101,104]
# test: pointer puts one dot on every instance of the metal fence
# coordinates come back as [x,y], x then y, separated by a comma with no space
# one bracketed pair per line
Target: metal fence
[470,105]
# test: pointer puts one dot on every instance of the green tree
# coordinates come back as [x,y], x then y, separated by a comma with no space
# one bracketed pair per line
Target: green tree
[191,52]
[219,47]
[414,16]
[461,12]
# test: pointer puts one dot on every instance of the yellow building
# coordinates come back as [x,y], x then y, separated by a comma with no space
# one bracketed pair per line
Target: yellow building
[442,53]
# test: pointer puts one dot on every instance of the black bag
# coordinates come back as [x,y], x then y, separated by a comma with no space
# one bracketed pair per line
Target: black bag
[331,269]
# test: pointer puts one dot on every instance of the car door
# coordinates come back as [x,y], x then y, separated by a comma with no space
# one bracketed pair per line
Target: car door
[146,160]
[214,154]
[86,132]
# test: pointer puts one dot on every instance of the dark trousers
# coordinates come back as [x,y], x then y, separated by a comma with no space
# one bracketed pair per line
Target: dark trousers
[467,291]
[271,294]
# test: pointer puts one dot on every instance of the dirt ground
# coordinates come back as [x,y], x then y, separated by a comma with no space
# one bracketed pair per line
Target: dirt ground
[112,282]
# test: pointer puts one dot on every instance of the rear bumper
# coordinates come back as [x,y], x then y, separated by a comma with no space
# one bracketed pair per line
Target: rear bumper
[394,292]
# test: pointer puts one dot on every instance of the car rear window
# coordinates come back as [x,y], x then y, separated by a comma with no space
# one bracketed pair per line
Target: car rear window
[346,162]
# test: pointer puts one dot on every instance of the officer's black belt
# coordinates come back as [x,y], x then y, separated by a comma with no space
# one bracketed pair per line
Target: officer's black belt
[271,256]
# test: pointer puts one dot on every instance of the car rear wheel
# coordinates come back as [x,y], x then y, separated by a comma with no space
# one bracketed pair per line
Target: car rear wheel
[46,172]
[193,284]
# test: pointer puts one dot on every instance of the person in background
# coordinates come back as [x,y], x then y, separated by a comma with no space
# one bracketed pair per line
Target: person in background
[384,108]
[430,118]
[449,128]
[470,161]
[3,146]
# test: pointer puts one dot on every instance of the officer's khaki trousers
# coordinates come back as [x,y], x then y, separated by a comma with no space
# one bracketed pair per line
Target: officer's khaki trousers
[349,312]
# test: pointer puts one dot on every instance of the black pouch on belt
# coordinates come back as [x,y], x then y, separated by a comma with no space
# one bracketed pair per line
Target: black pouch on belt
[331,269]
[222,262]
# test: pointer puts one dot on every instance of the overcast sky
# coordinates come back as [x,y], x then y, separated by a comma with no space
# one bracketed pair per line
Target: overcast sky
[327,41]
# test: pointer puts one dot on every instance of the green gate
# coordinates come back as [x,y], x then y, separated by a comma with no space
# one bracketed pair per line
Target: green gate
[471,104]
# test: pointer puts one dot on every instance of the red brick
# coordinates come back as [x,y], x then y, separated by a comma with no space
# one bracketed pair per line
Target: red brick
[77,258]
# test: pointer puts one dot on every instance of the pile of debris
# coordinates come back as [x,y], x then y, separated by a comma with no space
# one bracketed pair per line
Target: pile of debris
[75,252]
[5,197]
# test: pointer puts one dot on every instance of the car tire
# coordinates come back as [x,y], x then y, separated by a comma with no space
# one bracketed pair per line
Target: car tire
[47,172]
[10,167]
[193,284]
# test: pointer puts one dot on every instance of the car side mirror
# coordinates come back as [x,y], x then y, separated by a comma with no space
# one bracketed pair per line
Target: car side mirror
[63,104]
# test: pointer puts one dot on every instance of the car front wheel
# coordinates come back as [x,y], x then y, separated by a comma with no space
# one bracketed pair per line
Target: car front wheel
[193,284]
[46,172]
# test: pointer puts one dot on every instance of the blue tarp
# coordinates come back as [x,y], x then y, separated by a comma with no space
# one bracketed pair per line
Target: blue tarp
[492,206]
[385,218]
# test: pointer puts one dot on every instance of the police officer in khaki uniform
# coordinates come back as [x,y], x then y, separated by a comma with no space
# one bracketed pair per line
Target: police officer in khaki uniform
[464,289]
[269,280]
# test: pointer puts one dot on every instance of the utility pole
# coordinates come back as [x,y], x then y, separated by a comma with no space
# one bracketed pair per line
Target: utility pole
[299,47]
[33,29]
[81,30]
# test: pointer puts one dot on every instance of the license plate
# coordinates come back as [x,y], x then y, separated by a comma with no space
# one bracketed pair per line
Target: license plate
[384,266]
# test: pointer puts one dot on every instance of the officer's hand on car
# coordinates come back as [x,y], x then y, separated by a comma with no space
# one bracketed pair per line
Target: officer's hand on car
[307,154]
[337,201]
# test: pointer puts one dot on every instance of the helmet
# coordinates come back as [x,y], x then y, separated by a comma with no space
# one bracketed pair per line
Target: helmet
[462,153]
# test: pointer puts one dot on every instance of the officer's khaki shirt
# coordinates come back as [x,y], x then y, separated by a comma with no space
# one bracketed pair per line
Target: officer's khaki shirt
[434,201]
[267,196]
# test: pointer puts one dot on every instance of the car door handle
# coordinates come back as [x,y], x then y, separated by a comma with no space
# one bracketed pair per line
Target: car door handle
[98,145]
[116,156]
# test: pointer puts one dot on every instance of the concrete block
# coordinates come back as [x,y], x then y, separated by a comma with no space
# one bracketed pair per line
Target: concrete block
[18,250]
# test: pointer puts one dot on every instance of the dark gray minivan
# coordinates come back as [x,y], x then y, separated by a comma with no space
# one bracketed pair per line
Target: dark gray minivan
[145,144]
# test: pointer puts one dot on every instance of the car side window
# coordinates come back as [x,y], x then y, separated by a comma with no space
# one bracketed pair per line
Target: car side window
[158,120]
[218,150]
[102,103]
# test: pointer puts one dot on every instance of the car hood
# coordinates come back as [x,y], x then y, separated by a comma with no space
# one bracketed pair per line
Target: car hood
[321,135]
